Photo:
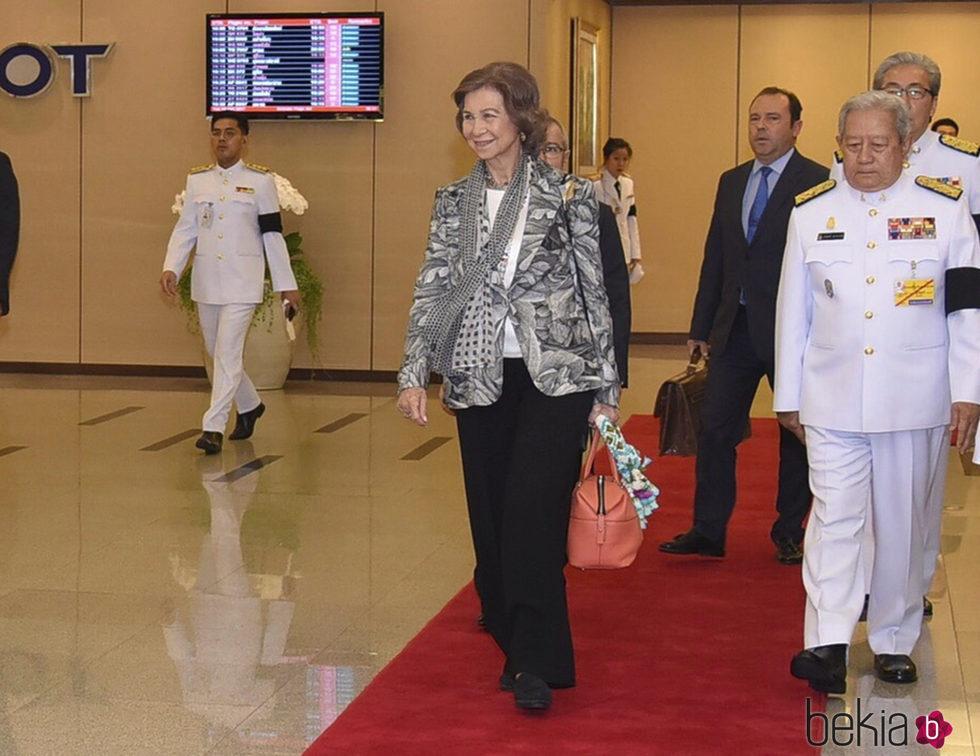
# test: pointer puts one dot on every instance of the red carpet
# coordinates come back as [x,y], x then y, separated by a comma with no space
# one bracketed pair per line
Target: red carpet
[675,655]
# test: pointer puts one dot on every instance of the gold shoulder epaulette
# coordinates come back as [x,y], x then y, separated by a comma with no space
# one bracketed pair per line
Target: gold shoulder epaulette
[624,173]
[815,191]
[256,167]
[939,187]
[201,168]
[838,157]
[595,177]
[960,145]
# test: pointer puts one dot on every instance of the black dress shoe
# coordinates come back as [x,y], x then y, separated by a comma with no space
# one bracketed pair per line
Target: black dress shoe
[210,441]
[531,692]
[895,668]
[245,424]
[824,667]
[926,607]
[692,542]
[789,551]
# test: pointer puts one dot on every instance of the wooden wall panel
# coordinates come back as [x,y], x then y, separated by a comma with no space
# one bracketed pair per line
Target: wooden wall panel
[674,98]
[40,135]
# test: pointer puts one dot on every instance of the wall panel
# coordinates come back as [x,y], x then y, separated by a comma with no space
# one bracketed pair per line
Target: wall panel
[674,99]
[40,135]
[770,55]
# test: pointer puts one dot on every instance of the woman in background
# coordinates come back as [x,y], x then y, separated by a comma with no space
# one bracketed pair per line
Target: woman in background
[614,187]
[510,308]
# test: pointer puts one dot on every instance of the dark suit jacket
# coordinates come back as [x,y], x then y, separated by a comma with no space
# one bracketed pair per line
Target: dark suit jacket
[9,228]
[730,263]
[616,277]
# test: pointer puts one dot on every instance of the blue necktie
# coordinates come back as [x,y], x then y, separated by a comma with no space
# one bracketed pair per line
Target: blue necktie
[759,203]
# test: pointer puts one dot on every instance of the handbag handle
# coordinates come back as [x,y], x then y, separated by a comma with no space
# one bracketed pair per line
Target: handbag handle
[587,467]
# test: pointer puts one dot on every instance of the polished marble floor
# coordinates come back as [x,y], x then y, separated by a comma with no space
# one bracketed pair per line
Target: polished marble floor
[157,601]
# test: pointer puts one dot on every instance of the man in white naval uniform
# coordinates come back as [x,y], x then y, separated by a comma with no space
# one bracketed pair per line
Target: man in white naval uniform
[916,78]
[614,187]
[877,353]
[231,214]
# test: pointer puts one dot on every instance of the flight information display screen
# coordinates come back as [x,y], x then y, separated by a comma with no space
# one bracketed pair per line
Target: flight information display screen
[294,66]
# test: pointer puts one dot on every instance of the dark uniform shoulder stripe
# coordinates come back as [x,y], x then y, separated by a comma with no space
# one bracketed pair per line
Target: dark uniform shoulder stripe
[939,187]
[815,191]
[838,157]
[960,145]
[962,289]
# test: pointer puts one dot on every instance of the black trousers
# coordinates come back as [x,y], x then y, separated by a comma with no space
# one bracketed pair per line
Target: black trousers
[733,380]
[521,457]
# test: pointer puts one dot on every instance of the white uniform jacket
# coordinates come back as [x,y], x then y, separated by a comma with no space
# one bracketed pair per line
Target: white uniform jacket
[232,215]
[623,205]
[855,352]
[951,160]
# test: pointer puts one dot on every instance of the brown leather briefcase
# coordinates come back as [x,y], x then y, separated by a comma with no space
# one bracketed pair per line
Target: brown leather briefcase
[678,406]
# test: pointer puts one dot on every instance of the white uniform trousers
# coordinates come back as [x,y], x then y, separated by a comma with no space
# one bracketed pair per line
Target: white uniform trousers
[932,522]
[904,464]
[224,328]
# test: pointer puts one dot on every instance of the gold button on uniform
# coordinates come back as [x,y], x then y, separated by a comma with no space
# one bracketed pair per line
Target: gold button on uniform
[225,182]
[222,198]
[869,350]
[869,314]
[872,212]
[870,279]
[871,245]
[221,217]
[221,257]
[221,236]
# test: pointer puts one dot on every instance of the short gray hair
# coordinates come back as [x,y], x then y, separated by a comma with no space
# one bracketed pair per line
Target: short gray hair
[564,134]
[877,100]
[924,62]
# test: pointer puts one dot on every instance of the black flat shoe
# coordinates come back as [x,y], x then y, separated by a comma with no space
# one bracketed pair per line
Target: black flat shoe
[245,424]
[531,692]
[692,542]
[824,667]
[210,442]
[506,681]
[789,551]
[895,668]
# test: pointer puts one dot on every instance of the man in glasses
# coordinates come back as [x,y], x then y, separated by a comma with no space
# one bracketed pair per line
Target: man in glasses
[555,153]
[916,78]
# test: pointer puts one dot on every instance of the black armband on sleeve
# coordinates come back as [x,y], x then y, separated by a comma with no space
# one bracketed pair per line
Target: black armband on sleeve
[962,289]
[632,211]
[270,222]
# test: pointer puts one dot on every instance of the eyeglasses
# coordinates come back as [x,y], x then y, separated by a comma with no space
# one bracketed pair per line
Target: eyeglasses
[553,149]
[914,92]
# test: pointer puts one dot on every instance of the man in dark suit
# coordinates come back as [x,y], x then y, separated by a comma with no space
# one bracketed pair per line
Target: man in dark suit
[615,274]
[734,321]
[9,228]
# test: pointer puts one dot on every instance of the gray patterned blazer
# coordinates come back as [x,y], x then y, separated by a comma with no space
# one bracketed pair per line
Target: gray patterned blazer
[562,325]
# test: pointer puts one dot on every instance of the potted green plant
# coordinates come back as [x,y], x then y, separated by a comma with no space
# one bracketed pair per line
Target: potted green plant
[269,333]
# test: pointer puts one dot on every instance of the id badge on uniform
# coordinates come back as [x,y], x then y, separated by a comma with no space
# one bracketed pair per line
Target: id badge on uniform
[915,291]
[207,215]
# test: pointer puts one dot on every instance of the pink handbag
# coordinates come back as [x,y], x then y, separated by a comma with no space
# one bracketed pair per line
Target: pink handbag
[603,530]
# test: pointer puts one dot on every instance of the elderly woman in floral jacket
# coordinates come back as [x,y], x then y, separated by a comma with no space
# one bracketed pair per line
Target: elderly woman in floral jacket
[510,308]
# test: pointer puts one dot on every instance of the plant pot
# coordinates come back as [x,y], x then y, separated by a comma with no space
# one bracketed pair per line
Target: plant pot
[268,349]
